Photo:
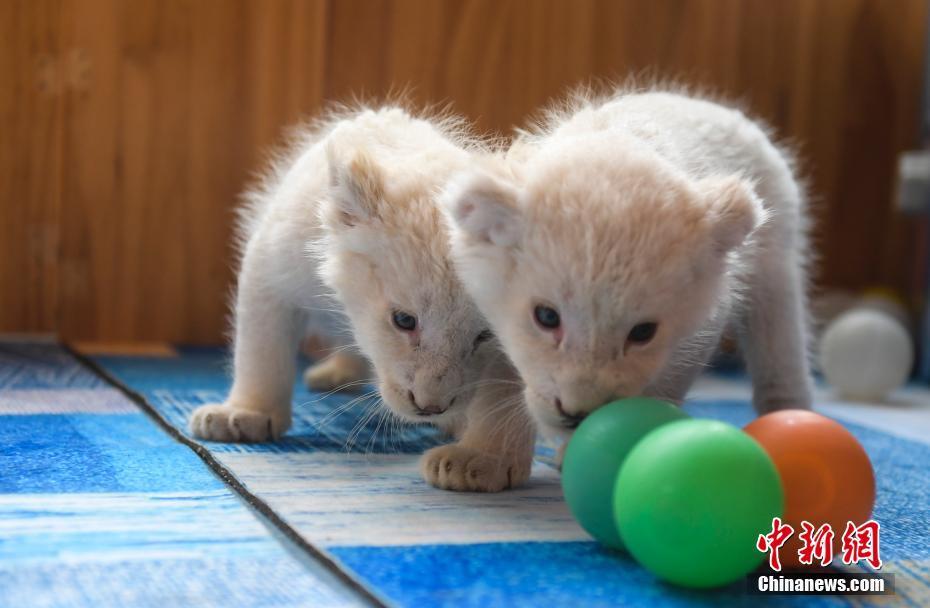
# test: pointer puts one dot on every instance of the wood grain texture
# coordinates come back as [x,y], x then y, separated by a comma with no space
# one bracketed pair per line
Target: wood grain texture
[185,97]
[32,78]
[130,128]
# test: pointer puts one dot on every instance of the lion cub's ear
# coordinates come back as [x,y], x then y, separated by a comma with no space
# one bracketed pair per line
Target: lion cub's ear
[734,211]
[356,189]
[485,209]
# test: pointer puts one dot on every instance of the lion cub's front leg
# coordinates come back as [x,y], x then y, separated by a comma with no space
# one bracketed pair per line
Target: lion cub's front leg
[495,451]
[258,407]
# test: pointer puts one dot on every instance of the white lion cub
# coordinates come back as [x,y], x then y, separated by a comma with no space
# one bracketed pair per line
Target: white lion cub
[354,211]
[641,225]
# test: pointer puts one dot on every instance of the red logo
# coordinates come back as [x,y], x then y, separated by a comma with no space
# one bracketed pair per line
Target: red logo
[817,544]
[862,543]
[773,541]
[859,543]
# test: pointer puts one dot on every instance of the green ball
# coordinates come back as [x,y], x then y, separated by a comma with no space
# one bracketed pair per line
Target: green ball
[593,457]
[691,500]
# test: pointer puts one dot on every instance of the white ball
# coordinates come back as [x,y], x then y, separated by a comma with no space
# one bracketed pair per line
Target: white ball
[865,354]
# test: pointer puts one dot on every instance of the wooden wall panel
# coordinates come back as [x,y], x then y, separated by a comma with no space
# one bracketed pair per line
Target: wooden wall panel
[184,98]
[32,78]
[120,179]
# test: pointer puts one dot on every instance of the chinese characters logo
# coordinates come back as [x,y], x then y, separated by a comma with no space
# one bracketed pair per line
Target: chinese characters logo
[858,543]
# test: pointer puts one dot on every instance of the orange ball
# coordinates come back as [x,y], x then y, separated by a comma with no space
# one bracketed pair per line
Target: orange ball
[826,475]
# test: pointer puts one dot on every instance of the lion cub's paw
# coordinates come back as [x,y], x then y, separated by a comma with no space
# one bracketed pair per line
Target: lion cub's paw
[455,467]
[223,422]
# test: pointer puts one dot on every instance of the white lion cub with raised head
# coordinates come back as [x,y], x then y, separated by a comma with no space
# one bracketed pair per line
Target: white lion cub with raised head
[354,212]
[640,226]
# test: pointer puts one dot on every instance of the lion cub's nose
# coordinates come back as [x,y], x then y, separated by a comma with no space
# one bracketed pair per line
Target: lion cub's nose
[425,410]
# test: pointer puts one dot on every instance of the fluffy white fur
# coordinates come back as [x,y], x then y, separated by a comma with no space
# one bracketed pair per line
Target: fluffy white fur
[636,208]
[353,212]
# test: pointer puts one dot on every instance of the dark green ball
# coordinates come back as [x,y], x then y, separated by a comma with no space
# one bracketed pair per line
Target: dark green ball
[594,455]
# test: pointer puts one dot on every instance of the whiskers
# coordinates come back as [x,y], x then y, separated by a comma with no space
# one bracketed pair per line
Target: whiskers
[384,428]
[374,428]
[372,409]
[345,387]
[343,408]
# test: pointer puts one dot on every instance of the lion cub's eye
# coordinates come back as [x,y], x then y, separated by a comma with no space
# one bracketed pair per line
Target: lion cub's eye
[404,321]
[482,338]
[642,333]
[547,317]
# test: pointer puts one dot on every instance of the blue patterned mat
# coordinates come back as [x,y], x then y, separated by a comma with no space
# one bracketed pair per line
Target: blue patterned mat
[145,512]
[100,507]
